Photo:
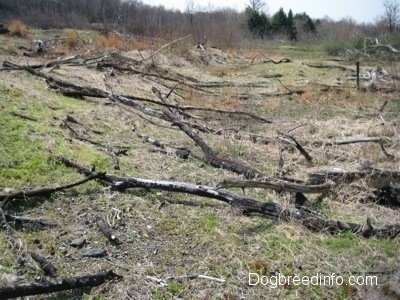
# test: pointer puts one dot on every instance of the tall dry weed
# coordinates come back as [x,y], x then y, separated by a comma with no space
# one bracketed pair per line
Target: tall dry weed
[110,41]
[17,27]
[70,39]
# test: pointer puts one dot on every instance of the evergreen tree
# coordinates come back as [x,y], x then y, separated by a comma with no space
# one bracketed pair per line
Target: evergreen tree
[290,27]
[279,21]
[306,22]
[257,22]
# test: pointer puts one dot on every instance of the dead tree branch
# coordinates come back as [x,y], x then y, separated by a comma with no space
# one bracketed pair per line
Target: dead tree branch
[45,191]
[29,289]
[283,60]
[278,185]
[19,221]
[167,45]
[307,218]
[47,267]
[374,177]
[297,145]
[209,156]
[106,230]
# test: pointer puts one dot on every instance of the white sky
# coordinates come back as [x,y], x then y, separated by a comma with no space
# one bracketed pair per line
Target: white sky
[366,11]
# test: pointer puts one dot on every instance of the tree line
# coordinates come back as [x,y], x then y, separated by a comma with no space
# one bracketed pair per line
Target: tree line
[280,23]
[222,27]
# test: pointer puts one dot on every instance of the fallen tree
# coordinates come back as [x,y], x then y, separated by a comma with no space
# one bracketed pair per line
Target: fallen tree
[303,215]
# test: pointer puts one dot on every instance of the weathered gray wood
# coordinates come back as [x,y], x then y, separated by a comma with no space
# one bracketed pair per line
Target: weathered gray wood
[374,177]
[307,218]
[278,185]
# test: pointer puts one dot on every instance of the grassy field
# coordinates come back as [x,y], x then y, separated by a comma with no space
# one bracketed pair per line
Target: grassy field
[167,235]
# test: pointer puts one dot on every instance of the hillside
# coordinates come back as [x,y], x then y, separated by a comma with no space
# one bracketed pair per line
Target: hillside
[252,131]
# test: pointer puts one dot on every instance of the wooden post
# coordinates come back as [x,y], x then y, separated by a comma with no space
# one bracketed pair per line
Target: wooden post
[358,74]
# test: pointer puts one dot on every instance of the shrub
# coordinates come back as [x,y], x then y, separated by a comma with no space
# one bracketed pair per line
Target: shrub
[70,39]
[358,42]
[334,48]
[110,41]
[392,39]
[17,27]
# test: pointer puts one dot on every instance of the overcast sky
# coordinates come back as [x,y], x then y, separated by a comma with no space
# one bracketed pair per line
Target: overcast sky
[365,11]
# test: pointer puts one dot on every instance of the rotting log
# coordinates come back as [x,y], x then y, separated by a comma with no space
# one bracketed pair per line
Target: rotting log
[29,289]
[73,90]
[80,92]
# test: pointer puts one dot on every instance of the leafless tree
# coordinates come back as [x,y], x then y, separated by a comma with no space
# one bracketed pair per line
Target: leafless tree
[392,13]
[256,5]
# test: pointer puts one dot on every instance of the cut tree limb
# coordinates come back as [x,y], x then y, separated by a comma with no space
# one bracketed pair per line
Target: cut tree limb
[307,218]
[106,230]
[29,289]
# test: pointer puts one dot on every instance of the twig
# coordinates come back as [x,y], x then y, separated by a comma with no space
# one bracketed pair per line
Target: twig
[296,127]
[391,156]
[383,106]
[166,45]
[359,140]
[283,60]
[23,116]
[195,276]
[46,191]
[157,280]
[298,146]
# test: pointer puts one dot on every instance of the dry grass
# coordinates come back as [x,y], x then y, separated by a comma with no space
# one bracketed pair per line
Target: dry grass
[70,39]
[124,43]
[110,41]
[169,234]
[9,46]
[18,28]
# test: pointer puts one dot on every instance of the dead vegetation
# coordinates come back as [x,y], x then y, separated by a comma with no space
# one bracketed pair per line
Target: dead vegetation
[197,170]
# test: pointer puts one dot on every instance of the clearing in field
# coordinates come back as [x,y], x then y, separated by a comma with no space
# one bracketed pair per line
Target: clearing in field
[179,171]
